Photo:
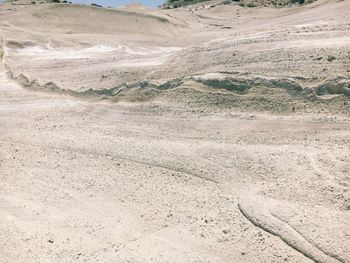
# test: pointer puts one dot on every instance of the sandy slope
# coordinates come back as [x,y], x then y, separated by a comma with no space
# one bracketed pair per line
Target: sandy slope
[195,170]
[307,45]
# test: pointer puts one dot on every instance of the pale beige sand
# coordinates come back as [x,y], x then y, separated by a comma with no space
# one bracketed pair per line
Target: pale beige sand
[189,172]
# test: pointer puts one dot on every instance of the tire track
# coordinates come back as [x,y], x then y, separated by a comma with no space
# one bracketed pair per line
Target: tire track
[256,211]
[129,159]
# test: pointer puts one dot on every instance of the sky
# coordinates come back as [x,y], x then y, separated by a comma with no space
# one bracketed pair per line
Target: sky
[114,3]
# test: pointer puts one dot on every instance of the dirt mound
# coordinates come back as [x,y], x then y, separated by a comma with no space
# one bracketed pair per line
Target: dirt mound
[247,3]
[275,3]
[74,19]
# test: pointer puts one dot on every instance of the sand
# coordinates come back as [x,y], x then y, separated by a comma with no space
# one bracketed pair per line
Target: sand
[199,136]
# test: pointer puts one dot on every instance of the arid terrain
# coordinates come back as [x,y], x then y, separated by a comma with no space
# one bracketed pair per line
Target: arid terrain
[207,133]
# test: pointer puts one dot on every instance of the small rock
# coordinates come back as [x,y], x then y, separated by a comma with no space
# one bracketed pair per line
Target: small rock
[331,58]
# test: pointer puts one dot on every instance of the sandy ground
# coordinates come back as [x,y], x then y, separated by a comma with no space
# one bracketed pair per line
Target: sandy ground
[188,173]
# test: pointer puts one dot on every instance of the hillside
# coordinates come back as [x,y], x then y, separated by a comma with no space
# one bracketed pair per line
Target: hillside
[247,3]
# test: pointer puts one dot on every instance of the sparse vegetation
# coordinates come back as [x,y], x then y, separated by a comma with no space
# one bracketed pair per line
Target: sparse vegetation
[251,5]
[179,3]
[96,5]
[243,3]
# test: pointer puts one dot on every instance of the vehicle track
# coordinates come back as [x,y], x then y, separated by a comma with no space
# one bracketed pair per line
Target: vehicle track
[256,210]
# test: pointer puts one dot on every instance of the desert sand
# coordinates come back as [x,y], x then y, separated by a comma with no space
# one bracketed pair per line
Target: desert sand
[209,133]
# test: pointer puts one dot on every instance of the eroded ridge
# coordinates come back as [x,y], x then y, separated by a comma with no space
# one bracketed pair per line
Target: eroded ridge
[255,209]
